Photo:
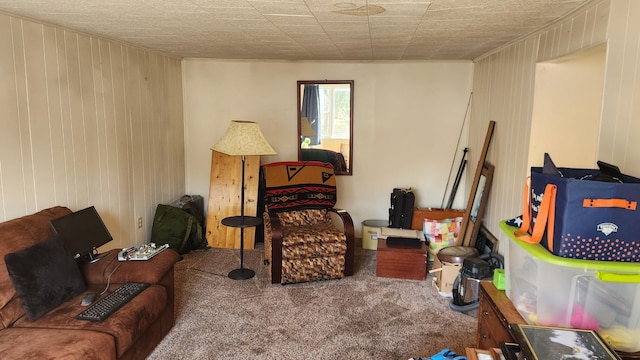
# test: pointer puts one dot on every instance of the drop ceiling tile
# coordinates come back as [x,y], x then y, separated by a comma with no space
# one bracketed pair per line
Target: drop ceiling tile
[304,29]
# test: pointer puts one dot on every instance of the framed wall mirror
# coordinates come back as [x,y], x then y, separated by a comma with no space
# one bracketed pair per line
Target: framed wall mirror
[477,204]
[484,174]
[325,123]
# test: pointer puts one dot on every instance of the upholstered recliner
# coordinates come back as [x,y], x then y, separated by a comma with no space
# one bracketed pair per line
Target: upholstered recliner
[301,240]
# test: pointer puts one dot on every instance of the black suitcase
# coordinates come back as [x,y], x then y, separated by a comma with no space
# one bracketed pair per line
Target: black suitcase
[401,211]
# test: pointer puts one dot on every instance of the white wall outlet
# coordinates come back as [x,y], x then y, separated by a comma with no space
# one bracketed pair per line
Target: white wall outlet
[139,222]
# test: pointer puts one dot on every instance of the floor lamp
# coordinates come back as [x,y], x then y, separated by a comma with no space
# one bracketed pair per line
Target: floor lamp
[243,138]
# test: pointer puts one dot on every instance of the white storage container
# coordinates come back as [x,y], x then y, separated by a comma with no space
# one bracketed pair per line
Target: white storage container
[586,294]
[370,233]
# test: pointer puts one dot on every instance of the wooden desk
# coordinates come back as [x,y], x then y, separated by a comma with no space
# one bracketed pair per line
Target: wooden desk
[402,262]
[495,314]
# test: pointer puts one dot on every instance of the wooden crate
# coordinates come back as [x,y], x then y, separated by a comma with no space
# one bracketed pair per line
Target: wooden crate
[435,214]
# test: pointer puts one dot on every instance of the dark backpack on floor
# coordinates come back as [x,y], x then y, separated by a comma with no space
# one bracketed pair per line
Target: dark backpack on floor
[176,227]
[194,205]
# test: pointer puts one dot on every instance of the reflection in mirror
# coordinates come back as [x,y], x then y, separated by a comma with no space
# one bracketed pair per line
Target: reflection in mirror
[325,123]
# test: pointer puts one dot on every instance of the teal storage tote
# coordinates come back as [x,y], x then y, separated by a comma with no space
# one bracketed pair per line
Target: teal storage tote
[586,294]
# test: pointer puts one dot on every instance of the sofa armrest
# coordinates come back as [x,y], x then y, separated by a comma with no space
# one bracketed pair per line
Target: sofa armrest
[149,271]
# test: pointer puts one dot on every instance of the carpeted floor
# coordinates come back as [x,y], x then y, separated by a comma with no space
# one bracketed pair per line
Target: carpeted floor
[359,317]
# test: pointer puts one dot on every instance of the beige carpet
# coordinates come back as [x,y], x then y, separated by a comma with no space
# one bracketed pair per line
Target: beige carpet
[359,317]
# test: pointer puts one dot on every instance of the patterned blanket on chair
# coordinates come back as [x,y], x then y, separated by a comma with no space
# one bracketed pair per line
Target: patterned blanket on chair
[299,185]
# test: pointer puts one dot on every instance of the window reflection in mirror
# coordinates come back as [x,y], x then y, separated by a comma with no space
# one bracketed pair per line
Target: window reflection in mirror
[325,123]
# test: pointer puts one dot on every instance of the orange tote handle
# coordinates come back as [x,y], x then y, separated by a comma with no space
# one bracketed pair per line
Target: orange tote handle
[609,203]
[546,218]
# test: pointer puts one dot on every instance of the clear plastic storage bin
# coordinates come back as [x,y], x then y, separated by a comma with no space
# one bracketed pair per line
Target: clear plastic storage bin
[586,294]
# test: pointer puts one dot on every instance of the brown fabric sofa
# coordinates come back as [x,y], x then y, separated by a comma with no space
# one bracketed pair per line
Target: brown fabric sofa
[132,332]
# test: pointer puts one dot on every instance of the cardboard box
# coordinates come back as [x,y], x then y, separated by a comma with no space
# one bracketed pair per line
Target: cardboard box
[444,275]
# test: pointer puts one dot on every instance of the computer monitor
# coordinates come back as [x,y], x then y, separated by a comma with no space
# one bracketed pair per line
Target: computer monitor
[82,233]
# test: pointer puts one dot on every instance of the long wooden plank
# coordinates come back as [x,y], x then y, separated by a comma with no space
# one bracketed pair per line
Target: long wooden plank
[224,199]
[464,238]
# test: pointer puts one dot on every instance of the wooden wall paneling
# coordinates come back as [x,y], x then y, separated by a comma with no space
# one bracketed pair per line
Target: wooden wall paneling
[94,64]
[106,124]
[37,118]
[122,146]
[614,82]
[598,32]
[631,162]
[134,121]
[627,101]
[545,48]
[564,36]
[578,34]
[153,124]
[224,199]
[140,139]
[10,161]
[66,139]
[23,115]
[503,90]
[90,128]
[76,154]
[176,111]
[54,103]
[83,126]
[103,70]
[105,113]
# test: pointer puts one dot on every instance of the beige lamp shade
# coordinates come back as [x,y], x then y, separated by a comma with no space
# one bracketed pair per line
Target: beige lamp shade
[243,138]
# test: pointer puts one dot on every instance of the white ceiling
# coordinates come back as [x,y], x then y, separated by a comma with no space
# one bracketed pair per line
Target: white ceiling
[304,29]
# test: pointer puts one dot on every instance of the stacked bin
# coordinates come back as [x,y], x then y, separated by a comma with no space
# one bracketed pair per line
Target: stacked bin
[586,294]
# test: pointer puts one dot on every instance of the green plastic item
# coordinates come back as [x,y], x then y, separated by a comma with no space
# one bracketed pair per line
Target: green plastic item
[609,271]
[498,279]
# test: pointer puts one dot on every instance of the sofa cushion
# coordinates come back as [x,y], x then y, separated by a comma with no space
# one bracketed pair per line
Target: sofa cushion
[44,276]
[126,325]
[21,344]
[15,235]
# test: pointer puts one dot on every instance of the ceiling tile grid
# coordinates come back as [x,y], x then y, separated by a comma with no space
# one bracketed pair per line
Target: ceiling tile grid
[304,29]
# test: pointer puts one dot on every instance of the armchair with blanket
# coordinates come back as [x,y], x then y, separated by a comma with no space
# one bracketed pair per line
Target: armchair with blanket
[302,241]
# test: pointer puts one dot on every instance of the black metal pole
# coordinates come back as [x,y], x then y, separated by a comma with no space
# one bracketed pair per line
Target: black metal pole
[241,222]
[456,183]
[242,217]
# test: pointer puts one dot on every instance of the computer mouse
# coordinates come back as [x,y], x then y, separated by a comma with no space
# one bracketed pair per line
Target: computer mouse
[88,299]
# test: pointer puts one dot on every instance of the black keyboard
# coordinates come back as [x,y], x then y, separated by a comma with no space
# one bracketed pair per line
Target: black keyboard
[106,306]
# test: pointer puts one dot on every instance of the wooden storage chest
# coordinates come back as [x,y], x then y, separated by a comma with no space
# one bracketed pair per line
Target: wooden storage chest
[402,262]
